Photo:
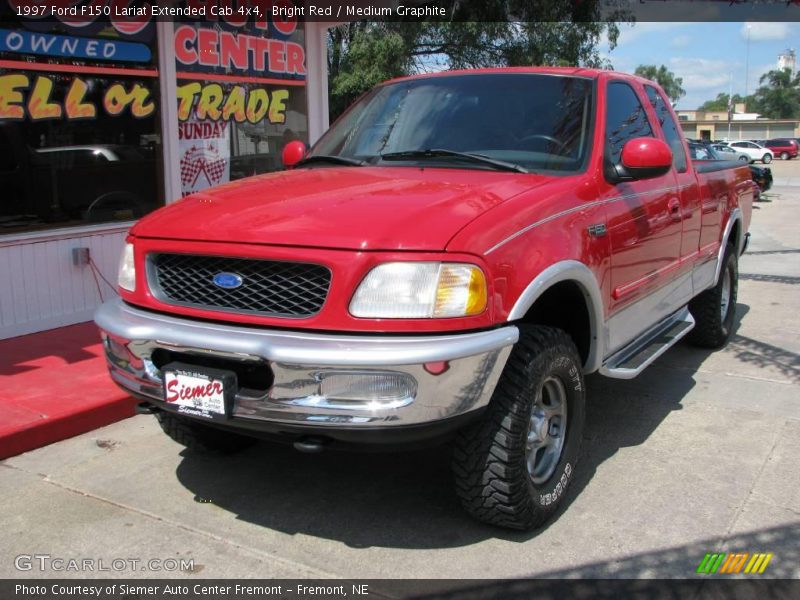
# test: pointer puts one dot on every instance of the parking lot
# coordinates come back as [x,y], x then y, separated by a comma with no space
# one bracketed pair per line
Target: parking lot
[698,454]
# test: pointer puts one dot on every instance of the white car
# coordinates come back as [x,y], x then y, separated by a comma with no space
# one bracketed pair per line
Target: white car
[754,151]
[725,152]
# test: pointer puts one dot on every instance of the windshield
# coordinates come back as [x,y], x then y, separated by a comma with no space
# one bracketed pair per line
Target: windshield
[539,122]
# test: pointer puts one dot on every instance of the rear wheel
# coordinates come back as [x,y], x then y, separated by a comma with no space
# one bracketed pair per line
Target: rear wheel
[715,309]
[512,468]
[767,158]
[784,156]
[744,159]
[197,436]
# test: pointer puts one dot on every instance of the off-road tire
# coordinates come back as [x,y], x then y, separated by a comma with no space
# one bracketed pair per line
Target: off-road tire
[767,159]
[711,329]
[202,438]
[489,457]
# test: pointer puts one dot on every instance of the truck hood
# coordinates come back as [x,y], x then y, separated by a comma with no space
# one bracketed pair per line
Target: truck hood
[358,208]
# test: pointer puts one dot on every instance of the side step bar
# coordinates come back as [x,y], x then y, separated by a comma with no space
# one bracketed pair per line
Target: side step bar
[639,354]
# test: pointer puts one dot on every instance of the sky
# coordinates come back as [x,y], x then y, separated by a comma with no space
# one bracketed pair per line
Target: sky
[708,56]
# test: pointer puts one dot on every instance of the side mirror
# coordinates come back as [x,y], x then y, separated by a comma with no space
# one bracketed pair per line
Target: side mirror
[643,158]
[293,153]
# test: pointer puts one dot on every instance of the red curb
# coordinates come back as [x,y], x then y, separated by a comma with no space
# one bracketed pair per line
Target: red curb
[55,385]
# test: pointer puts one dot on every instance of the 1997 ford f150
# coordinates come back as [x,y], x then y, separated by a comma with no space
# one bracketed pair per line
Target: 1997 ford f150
[450,259]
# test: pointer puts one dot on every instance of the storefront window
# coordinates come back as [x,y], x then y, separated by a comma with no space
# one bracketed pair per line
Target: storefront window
[241,97]
[79,122]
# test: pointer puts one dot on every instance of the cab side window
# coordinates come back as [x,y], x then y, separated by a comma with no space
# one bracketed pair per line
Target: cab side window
[625,119]
[668,127]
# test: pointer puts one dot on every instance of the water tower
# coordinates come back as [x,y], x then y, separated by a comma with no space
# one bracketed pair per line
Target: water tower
[788,60]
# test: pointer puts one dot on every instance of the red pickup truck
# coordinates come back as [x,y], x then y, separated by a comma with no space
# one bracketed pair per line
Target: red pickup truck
[449,260]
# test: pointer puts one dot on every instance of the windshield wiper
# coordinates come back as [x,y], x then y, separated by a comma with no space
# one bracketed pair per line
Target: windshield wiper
[441,152]
[339,160]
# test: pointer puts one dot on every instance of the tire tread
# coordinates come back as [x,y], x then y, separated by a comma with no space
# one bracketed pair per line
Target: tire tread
[490,477]
[200,437]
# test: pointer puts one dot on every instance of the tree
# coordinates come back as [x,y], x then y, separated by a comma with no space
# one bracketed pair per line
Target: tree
[665,78]
[485,33]
[779,95]
[720,103]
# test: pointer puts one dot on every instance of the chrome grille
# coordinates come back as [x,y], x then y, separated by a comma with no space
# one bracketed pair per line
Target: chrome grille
[284,289]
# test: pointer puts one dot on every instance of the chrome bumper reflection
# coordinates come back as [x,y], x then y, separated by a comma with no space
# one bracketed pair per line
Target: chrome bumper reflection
[317,379]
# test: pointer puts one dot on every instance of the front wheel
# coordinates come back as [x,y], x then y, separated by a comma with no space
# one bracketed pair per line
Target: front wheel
[715,309]
[784,156]
[767,159]
[197,436]
[513,467]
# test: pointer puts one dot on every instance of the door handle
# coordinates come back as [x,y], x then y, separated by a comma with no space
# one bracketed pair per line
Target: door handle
[674,206]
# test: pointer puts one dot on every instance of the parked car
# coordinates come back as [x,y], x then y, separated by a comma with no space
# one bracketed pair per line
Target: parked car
[786,148]
[726,152]
[761,176]
[425,272]
[98,182]
[754,151]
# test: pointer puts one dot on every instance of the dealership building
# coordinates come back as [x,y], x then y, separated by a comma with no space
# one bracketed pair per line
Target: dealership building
[104,120]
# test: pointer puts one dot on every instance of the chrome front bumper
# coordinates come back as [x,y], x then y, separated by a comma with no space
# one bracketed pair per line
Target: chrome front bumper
[443,376]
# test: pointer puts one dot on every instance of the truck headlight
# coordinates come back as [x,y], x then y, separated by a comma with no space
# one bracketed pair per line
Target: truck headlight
[127,269]
[420,290]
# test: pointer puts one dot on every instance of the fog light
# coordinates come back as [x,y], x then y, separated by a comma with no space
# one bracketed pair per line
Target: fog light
[381,387]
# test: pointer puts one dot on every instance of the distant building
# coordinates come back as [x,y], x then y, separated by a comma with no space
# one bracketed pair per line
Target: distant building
[738,114]
[714,125]
[788,60]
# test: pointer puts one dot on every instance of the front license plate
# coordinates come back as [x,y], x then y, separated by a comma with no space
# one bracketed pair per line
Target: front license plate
[198,391]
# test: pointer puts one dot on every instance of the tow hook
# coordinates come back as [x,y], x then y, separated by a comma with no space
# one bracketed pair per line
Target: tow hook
[310,445]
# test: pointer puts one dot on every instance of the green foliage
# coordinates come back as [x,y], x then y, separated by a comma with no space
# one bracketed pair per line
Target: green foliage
[720,103]
[665,78]
[779,95]
[489,33]
[361,55]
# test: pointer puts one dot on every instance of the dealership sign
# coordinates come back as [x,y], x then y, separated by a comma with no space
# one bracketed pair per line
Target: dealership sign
[205,50]
[205,154]
[23,95]
[45,44]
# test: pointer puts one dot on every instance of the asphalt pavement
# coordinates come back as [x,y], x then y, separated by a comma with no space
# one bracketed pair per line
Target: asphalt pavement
[699,454]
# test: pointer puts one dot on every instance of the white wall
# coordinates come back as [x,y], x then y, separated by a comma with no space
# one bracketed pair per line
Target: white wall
[41,289]
[317,78]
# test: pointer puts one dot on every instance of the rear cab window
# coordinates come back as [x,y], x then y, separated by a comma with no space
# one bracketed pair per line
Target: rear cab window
[668,126]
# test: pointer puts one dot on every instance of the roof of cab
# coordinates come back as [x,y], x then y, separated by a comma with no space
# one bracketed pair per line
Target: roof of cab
[571,71]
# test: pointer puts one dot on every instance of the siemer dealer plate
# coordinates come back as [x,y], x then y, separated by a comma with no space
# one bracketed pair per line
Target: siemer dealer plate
[198,391]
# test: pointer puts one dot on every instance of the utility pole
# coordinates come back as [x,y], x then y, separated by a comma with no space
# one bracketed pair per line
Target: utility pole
[730,108]
[747,66]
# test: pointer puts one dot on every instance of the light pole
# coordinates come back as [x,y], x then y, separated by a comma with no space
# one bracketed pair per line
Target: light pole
[730,108]
[747,66]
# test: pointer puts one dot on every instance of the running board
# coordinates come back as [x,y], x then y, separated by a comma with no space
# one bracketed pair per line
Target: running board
[639,354]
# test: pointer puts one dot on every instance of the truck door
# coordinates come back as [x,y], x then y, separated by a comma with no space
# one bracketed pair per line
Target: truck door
[644,225]
[688,189]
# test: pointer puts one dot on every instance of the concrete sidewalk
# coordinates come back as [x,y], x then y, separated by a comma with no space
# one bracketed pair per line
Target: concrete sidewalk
[698,454]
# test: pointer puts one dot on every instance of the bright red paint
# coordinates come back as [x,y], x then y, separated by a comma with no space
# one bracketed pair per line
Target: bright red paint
[352,219]
[293,153]
[646,153]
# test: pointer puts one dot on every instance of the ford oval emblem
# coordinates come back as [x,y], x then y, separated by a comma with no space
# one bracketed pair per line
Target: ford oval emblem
[228,281]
